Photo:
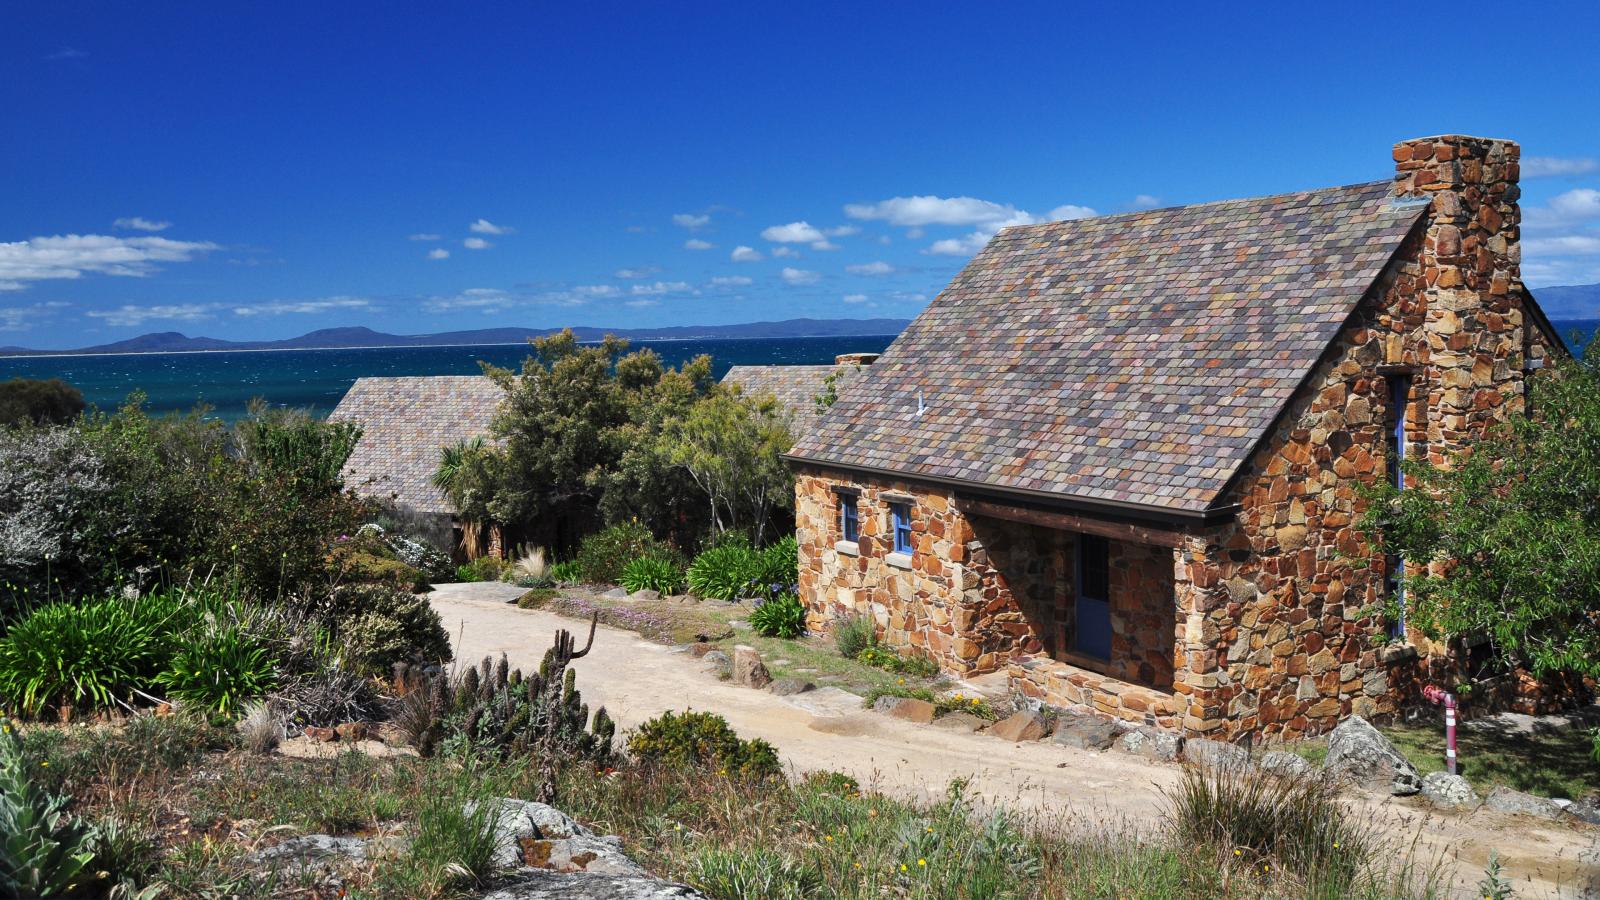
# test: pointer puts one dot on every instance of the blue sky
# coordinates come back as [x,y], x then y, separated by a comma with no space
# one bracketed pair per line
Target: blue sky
[259,170]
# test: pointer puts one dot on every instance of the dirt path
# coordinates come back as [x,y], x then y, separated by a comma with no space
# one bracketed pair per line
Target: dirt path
[636,680]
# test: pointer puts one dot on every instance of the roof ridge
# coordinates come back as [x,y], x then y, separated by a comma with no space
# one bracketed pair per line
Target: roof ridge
[1158,209]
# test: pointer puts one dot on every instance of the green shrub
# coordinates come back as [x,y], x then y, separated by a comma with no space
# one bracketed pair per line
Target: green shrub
[754,874]
[368,567]
[898,690]
[566,572]
[853,635]
[456,840]
[44,850]
[378,626]
[39,402]
[484,568]
[89,656]
[652,573]
[780,565]
[219,670]
[1298,823]
[726,571]
[704,741]
[780,617]
[603,555]
[881,657]
[536,598]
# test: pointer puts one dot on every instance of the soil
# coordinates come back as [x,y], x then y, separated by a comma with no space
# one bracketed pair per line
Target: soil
[636,680]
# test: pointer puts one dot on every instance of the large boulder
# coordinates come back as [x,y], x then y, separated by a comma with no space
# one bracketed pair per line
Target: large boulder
[1586,810]
[1217,755]
[908,708]
[533,884]
[959,721]
[1359,754]
[1151,743]
[1021,726]
[748,669]
[1506,800]
[543,837]
[1085,733]
[1444,789]
[1285,764]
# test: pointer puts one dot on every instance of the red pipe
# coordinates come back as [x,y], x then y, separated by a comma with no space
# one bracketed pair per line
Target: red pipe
[1435,695]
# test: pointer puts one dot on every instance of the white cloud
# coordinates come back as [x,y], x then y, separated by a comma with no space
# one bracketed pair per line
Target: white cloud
[824,245]
[641,304]
[487,300]
[697,244]
[597,290]
[781,252]
[21,318]
[1145,201]
[961,246]
[660,287]
[129,315]
[799,276]
[1550,166]
[493,300]
[70,256]
[854,298]
[1069,211]
[68,53]
[1564,245]
[792,233]
[742,253]
[301,307]
[913,212]
[873,269]
[637,272]
[140,223]
[484,226]
[691,221]
[438,253]
[841,231]
[1574,206]
[424,236]
[476,243]
[731,281]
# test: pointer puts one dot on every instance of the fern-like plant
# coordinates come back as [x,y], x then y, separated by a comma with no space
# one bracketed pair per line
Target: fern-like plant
[220,670]
[44,850]
[652,573]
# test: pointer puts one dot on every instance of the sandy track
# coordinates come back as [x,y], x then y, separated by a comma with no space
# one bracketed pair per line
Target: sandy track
[636,680]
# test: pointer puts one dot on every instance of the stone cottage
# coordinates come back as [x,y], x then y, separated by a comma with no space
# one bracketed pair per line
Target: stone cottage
[1118,458]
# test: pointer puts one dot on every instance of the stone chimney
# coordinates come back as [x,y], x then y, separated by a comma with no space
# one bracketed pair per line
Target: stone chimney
[1472,334]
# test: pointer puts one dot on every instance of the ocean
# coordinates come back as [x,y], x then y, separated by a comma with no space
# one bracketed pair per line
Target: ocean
[226,381]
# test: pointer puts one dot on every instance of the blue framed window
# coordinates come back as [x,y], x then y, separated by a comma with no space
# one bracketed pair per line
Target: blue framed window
[1394,574]
[849,518]
[900,519]
[1093,607]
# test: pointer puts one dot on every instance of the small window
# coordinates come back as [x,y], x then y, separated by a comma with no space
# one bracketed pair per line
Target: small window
[1395,586]
[1093,607]
[1399,406]
[900,517]
[849,518]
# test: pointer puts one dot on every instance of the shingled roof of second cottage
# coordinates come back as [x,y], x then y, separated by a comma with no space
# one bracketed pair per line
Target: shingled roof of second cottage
[1125,360]
[794,387]
[405,422]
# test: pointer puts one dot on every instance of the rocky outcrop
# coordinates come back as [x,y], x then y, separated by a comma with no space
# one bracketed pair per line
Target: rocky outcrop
[908,708]
[1021,726]
[1151,743]
[1286,765]
[1444,789]
[1359,754]
[1506,800]
[535,885]
[1085,733]
[1217,755]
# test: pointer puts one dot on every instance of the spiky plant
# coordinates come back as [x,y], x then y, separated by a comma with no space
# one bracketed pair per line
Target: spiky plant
[44,850]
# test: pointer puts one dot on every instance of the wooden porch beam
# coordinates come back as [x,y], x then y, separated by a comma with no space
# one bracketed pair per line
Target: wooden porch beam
[1122,531]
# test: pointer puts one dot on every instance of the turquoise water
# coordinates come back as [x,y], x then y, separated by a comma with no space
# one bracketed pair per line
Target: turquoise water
[316,379]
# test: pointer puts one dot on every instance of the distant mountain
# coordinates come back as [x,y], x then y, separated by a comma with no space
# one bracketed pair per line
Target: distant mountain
[333,338]
[1573,301]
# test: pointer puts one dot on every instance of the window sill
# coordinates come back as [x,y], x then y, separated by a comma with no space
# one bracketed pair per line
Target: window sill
[848,548]
[1397,653]
[898,560]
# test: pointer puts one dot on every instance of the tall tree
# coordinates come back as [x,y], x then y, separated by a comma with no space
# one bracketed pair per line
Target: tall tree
[733,446]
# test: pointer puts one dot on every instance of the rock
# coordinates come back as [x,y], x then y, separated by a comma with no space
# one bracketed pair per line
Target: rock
[1586,810]
[321,734]
[1444,789]
[699,649]
[718,660]
[786,687]
[543,837]
[1506,800]
[908,708]
[645,596]
[739,624]
[959,721]
[1018,727]
[312,853]
[538,885]
[1357,752]
[353,731]
[1085,733]
[616,594]
[748,669]
[1286,765]
[1217,755]
[1151,743]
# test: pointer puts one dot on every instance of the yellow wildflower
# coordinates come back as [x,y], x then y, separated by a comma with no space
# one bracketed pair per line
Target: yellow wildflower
[922,862]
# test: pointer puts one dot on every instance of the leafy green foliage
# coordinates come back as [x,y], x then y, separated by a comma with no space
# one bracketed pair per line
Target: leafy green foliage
[566,572]
[91,656]
[536,597]
[219,669]
[705,741]
[852,635]
[602,556]
[881,657]
[378,626]
[733,446]
[1512,530]
[44,850]
[758,874]
[783,616]
[727,571]
[456,841]
[653,573]
[25,401]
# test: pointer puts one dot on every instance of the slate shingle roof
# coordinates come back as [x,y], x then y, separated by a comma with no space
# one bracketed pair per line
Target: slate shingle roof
[795,387]
[1131,359]
[405,422]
